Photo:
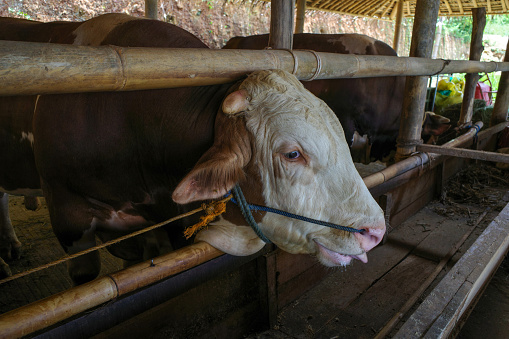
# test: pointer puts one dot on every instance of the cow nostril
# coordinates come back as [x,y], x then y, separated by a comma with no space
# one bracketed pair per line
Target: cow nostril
[370,237]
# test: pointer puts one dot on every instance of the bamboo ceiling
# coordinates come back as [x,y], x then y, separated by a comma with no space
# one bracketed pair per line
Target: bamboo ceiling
[386,9]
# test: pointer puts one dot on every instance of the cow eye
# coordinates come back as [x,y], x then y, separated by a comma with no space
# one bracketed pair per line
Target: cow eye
[292,155]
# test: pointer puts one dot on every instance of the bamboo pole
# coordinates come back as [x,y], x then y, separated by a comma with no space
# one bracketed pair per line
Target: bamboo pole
[502,103]
[399,20]
[465,153]
[471,79]
[281,24]
[46,312]
[414,100]
[419,161]
[301,16]
[41,68]
[151,9]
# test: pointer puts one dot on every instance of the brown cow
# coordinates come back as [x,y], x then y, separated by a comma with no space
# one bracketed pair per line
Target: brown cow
[111,163]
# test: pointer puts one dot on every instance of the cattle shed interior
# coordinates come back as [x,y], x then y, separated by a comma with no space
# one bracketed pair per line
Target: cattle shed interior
[422,282]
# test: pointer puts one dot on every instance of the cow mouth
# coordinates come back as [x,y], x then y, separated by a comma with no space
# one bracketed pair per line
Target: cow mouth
[331,258]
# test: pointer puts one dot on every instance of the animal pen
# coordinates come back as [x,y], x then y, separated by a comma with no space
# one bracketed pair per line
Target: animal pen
[260,286]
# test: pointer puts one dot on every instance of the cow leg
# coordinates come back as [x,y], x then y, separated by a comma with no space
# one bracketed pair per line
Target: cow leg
[72,221]
[10,247]
[86,267]
[32,203]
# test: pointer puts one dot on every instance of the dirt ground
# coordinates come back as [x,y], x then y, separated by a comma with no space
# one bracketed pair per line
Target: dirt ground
[40,247]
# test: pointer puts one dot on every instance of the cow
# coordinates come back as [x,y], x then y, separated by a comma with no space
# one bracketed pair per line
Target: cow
[111,163]
[18,174]
[369,109]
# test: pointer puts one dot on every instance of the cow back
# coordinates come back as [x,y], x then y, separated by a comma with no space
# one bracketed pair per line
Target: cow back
[370,106]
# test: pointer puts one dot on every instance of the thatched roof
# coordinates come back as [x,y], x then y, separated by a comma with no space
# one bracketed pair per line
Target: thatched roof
[386,9]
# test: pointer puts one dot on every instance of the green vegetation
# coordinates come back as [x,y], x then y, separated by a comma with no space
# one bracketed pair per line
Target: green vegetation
[461,27]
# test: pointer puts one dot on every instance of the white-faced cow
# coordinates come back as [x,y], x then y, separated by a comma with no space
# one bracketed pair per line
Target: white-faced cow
[368,107]
[115,162]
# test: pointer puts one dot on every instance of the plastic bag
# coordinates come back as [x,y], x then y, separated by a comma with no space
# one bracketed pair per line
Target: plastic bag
[449,92]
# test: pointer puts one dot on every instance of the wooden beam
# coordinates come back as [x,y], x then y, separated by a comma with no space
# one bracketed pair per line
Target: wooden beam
[448,6]
[465,153]
[151,9]
[387,4]
[502,103]
[476,48]
[397,29]
[301,16]
[281,24]
[423,34]
[460,6]
[438,314]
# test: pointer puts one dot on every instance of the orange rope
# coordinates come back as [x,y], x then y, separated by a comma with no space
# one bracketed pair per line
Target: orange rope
[204,207]
[213,209]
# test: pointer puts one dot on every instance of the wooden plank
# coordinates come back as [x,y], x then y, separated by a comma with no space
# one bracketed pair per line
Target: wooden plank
[465,153]
[376,306]
[294,288]
[289,265]
[226,306]
[267,281]
[406,194]
[344,285]
[437,314]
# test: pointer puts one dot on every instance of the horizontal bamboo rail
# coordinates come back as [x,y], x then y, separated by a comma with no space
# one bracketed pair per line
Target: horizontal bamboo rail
[465,153]
[420,160]
[49,311]
[42,68]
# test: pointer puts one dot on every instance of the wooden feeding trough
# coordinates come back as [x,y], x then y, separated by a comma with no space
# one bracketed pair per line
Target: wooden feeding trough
[199,291]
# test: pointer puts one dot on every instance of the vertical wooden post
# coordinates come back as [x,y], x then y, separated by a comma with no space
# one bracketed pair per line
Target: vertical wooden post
[438,37]
[471,79]
[397,29]
[151,9]
[502,103]
[301,16]
[281,24]
[414,101]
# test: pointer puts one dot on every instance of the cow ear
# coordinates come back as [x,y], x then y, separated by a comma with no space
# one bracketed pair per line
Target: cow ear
[211,179]
[236,102]
[435,124]
[221,167]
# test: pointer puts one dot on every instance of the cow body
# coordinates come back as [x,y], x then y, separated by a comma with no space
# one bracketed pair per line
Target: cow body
[111,163]
[367,107]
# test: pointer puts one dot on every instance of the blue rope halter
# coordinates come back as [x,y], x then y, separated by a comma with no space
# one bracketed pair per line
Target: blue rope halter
[246,208]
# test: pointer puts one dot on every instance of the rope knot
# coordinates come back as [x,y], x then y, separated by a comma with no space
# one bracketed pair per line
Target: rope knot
[212,210]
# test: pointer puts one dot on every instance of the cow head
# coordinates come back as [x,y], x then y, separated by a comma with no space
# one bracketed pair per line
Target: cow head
[293,149]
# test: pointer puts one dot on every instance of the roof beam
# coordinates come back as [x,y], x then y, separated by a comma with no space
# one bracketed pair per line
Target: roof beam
[460,5]
[448,6]
[504,5]
[387,4]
